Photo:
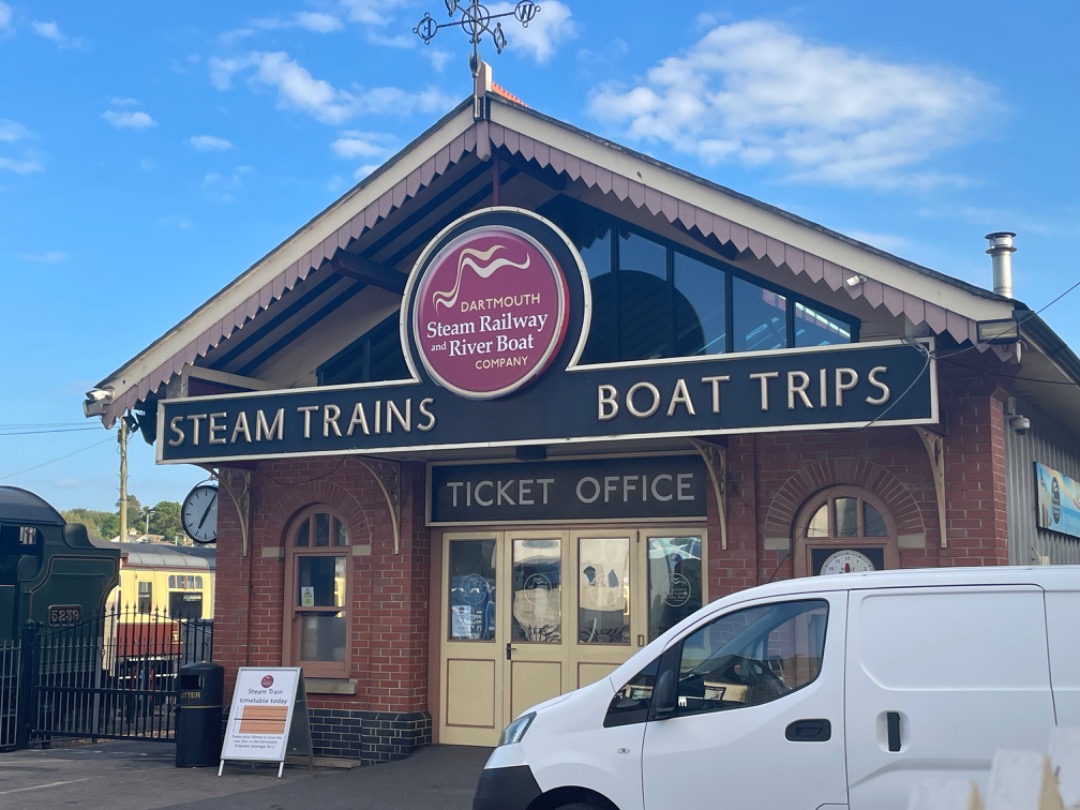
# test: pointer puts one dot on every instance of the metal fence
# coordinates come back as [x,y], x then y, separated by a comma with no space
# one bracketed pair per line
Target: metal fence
[114,677]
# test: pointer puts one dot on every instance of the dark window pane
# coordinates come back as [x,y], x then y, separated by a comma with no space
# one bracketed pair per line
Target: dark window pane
[472,590]
[759,322]
[322,529]
[320,581]
[873,522]
[303,534]
[847,517]
[812,328]
[645,320]
[700,316]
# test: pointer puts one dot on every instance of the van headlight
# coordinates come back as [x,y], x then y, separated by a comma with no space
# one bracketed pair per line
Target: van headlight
[515,732]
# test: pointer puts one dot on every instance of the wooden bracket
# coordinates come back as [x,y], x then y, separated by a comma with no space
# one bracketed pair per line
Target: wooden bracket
[715,456]
[237,485]
[387,475]
[935,449]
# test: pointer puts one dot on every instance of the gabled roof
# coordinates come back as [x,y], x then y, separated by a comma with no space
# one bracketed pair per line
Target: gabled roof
[359,243]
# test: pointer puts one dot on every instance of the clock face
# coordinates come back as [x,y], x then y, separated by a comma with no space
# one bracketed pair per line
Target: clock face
[847,561]
[199,513]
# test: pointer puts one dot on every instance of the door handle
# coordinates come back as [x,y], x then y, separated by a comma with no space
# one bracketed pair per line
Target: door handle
[509,650]
[816,730]
[892,723]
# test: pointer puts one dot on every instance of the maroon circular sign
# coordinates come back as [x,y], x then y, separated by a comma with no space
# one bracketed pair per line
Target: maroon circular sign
[267,681]
[490,312]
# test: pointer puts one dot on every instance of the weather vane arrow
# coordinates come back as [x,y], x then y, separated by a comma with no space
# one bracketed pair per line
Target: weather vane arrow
[475,21]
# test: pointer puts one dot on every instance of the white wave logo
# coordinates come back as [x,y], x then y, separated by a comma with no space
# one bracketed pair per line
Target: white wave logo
[480,262]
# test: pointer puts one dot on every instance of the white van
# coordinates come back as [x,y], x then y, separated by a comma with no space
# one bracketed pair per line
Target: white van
[825,692]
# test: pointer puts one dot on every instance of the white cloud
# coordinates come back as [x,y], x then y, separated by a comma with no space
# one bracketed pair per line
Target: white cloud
[298,89]
[315,21]
[21,166]
[51,31]
[122,101]
[208,143]
[759,94]
[355,144]
[552,26]
[47,30]
[372,12]
[438,58]
[365,170]
[5,17]
[48,257]
[181,222]
[129,120]
[224,187]
[11,131]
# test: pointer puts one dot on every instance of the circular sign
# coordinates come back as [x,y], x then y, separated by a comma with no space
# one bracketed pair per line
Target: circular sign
[474,589]
[267,681]
[679,592]
[490,312]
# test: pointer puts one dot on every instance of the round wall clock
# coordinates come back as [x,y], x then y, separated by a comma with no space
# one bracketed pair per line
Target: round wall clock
[198,513]
[847,561]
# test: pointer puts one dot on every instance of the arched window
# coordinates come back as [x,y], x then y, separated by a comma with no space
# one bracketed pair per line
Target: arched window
[844,530]
[316,592]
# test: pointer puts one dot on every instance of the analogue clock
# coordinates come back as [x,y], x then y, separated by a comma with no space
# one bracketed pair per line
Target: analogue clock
[199,513]
[847,561]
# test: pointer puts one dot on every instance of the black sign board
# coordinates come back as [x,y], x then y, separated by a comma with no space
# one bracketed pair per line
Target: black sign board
[642,488]
[852,386]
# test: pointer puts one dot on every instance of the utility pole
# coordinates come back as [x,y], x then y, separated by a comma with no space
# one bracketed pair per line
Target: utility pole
[123,480]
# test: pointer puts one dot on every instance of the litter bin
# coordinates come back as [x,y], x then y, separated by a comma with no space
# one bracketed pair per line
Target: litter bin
[198,715]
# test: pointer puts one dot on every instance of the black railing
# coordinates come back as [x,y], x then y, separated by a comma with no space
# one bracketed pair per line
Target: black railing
[114,677]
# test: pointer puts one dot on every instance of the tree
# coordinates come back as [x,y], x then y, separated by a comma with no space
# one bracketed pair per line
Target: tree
[165,520]
[93,520]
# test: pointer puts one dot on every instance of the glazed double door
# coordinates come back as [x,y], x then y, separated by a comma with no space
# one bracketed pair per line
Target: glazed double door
[528,615]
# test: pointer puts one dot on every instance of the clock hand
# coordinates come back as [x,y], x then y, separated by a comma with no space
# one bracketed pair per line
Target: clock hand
[209,506]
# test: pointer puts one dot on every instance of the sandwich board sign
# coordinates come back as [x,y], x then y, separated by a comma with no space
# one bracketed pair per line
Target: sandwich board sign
[268,719]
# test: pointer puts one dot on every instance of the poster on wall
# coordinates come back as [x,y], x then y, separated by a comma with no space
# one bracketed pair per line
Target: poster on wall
[1059,501]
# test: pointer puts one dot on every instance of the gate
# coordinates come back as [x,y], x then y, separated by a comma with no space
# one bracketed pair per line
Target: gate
[114,677]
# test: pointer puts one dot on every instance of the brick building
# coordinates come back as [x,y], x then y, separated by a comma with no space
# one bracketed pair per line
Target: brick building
[523,399]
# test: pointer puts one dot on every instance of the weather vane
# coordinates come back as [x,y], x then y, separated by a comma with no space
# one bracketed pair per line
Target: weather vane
[475,21]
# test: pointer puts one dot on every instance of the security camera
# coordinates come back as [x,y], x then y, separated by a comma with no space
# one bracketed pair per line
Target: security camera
[99,394]
[1020,425]
[96,400]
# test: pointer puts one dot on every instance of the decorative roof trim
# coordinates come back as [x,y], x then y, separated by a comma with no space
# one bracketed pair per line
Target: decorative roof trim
[678,197]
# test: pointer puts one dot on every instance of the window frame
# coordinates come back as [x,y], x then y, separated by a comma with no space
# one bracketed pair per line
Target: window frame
[887,545]
[291,631]
[563,213]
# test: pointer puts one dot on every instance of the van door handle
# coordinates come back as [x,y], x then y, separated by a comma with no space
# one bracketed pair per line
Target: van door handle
[892,723]
[818,730]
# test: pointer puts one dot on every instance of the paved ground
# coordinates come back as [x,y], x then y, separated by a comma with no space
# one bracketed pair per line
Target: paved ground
[144,776]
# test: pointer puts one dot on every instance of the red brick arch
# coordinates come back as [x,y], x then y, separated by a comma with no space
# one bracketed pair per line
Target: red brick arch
[813,478]
[337,498]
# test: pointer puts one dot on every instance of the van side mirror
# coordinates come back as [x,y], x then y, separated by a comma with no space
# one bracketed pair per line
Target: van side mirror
[663,699]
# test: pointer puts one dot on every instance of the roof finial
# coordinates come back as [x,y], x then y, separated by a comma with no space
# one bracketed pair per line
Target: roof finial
[475,21]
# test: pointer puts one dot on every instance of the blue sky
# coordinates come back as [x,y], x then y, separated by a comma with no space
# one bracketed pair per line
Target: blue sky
[150,152]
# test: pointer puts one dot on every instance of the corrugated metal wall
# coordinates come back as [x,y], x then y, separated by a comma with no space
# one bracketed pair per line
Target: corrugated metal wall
[1052,444]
